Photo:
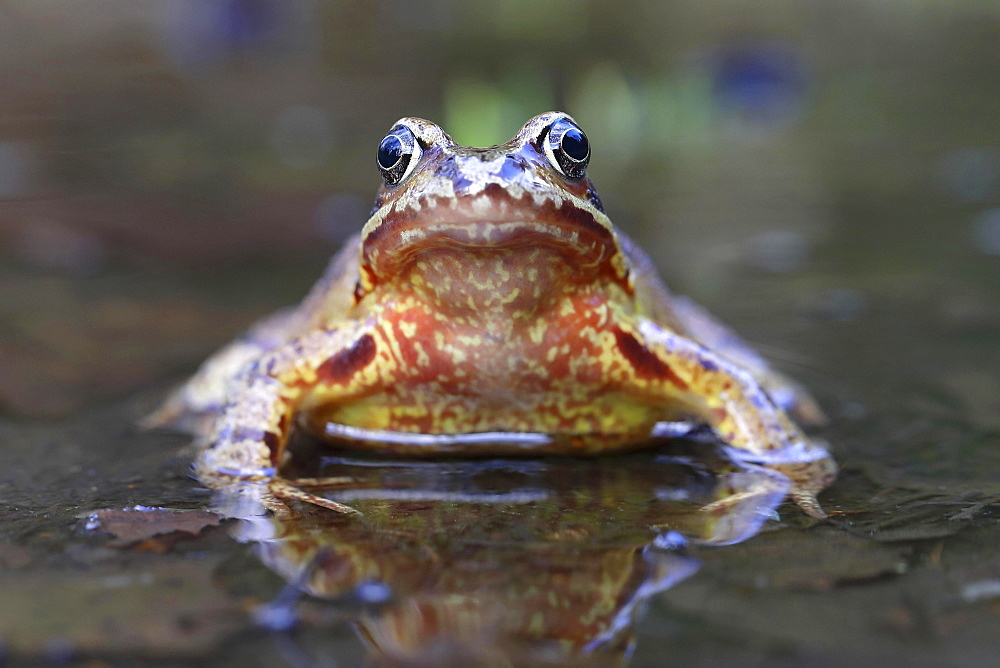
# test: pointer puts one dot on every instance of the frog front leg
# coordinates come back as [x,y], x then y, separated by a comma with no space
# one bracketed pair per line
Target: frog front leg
[192,406]
[693,379]
[714,335]
[245,448]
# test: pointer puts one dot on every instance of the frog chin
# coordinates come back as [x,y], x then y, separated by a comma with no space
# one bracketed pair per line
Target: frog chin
[495,222]
[523,275]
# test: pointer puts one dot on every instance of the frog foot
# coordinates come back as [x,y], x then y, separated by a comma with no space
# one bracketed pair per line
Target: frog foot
[807,480]
[235,497]
[291,490]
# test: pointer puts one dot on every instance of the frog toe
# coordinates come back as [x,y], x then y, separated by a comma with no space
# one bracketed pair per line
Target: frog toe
[808,479]
[808,503]
[286,490]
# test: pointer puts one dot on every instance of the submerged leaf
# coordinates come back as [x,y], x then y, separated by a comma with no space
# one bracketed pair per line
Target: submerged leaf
[131,526]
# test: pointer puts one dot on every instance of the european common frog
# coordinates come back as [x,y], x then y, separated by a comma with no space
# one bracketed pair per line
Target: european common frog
[490,306]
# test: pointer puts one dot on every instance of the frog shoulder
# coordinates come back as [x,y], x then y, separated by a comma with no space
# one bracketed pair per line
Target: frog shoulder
[332,297]
[653,299]
[656,302]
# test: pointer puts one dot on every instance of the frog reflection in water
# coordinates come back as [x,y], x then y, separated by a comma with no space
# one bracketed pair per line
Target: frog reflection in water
[509,562]
[490,306]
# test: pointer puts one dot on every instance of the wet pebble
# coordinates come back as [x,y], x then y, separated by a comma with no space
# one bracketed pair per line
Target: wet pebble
[59,650]
[276,616]
[969,174]
[53,246]
[984,589]
[838,304]
[373,592]
[853,410]
[779,251]
[670,540]
[986,232]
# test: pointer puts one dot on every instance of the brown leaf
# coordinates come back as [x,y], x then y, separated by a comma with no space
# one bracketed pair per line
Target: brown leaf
[140,523]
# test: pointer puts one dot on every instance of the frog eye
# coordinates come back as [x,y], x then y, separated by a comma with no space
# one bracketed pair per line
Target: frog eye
[398,154]
[567,148]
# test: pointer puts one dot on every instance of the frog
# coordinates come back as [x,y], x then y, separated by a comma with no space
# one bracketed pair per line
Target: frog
[489,307]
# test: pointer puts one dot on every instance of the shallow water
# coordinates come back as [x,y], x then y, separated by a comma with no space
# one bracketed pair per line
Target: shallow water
[834,199]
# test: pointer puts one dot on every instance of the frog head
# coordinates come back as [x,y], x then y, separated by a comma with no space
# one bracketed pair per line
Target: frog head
[446,211]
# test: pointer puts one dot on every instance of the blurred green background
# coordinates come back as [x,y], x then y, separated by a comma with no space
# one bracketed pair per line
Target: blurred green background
[169,170]
[825,176]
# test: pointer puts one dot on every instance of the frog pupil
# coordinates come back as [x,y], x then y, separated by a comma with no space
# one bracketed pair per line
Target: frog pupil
[390,152]
[575,145]
[567,148]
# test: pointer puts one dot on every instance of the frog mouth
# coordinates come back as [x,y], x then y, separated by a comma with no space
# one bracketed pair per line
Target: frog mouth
[494,219]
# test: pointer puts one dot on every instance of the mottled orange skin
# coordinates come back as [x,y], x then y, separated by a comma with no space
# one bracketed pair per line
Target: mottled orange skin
[490,294]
